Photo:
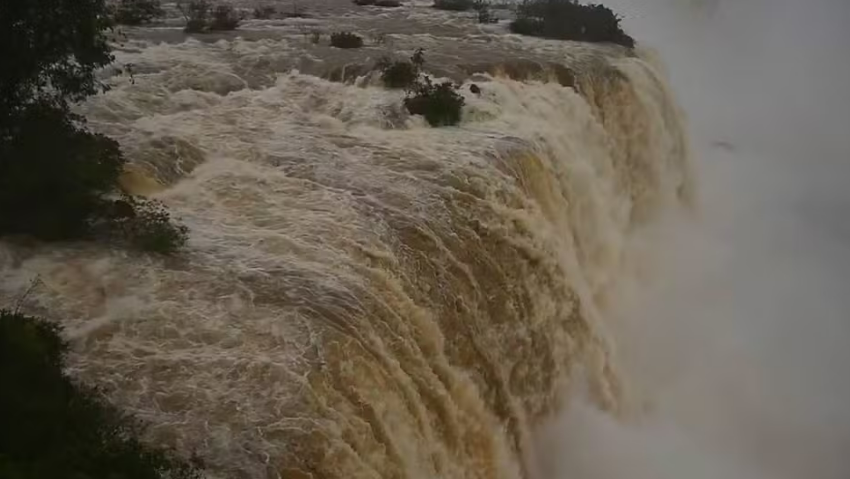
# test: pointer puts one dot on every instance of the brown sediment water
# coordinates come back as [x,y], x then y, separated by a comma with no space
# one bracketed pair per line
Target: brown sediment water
[364,296]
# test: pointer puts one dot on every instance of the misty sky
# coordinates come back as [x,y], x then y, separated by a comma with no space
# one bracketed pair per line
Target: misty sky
[741,347]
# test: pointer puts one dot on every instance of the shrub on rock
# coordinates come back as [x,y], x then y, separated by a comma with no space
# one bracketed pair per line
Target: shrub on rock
[201,16]
[264,12]
[147,226]
[54,176]
[346,40]
[57,178]
[137,12]
[379,3]
[454,5]
[404,73]
[440,104]
[570,20]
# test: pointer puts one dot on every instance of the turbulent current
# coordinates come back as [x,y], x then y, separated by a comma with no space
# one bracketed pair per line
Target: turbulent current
[364,296]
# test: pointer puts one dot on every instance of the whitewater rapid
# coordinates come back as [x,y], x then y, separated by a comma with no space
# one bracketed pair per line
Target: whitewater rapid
[364,296]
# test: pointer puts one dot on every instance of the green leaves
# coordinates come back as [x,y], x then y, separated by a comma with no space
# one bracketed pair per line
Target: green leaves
[137,12]
[346,40]
[55,176]
[53,427]
[440,103]
[570,20]
[201,16]
[50,51]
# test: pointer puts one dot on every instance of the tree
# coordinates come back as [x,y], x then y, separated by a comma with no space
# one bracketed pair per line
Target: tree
[57,179]
[202,16]
[54,427]
[51,50]
[55,189]
[402,73]
[440,103]
[570,20]
[137,12]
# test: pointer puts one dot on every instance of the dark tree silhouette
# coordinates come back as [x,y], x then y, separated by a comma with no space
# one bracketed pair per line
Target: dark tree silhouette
[54,427]
[57,179]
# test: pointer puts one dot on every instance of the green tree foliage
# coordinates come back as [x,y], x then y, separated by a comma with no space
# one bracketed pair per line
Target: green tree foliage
[146,225]
[224,17]
[196,13]
[264,12]
[56,177]
[440,103]
[484,14]
[201,16]
[570,20]
[454,5]
[137,12]
[401,74]
[51,50]
[346,40]
[53,427]
[379,3]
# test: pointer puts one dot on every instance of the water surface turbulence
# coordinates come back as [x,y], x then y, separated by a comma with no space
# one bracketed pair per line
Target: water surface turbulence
[364,296]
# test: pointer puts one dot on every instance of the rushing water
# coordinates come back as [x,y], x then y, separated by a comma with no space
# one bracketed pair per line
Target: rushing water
[364,296]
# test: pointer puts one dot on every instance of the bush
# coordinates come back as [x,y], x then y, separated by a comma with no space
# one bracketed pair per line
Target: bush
[569,20]
[346,40]
[528,26]
[440,104]
[59,189]
[501,5]
[296,12]
[51,51]
[54,427]
[202,17]
[401,74]
[484,16]
[137,12]
[147,225]
[483,9]
[54,189]
[196,13]
[265,12]
[224,17]
[379,3]
[56,177]
[454,5]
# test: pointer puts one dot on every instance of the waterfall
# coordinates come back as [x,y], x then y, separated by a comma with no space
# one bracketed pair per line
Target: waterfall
[364,296]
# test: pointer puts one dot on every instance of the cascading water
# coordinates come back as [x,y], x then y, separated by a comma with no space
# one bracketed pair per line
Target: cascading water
[364,296]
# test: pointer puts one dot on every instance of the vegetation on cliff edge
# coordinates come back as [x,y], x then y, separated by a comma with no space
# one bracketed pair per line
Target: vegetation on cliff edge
[439,103]
[137,12]
[570,20]
[59,180]
[202,16]
[401,73]
[54,427]
[346,40]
